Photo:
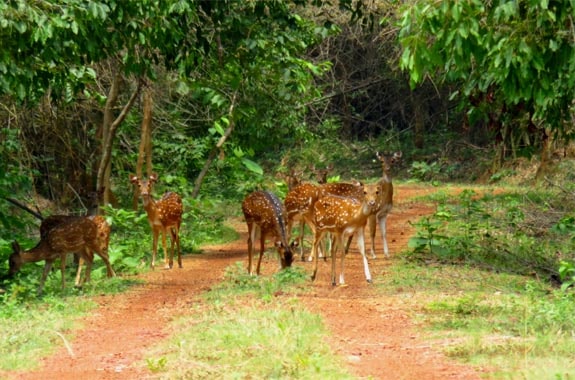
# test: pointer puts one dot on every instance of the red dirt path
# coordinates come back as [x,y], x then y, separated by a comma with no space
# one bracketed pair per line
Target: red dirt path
[372,333]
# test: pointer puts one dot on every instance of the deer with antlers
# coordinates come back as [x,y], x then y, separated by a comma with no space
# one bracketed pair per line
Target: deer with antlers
[164,215]
[343,216]
[75,234]
[264,211]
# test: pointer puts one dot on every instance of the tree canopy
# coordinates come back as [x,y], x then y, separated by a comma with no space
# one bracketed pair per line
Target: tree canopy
[520,54]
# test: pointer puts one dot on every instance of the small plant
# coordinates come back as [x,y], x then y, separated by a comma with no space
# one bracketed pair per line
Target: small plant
[567,274]
[157,365]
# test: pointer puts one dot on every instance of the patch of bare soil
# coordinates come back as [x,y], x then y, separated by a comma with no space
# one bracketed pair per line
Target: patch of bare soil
[373,333]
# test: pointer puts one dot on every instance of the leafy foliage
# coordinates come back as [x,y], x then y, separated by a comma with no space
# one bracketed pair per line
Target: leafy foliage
[519,53]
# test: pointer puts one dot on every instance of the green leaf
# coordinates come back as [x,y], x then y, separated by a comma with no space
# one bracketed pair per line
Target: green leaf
[252,166]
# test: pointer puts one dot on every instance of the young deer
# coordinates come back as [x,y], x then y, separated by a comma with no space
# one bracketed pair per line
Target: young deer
[264,211]
[344,216]
[387,161]
[77,234]
[164,215]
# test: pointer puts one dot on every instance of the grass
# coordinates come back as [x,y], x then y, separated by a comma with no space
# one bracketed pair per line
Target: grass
[243,330]
[514,326]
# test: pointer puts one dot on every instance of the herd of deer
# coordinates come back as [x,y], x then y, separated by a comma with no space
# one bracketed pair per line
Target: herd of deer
[340,209]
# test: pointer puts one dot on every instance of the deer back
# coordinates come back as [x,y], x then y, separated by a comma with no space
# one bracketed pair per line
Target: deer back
[344,189]
[170,209]
[301,199]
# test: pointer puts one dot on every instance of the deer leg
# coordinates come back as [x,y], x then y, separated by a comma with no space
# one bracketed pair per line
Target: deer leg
[342,262]
[300,238]
[168,259]
[47,268]
[372,230]
[383,228]
[89,261]
[316,241]
[251,236]
[79,271]
[262,247]
[334,248]
[176,238]
[361,246]
[154,246]
[349,239]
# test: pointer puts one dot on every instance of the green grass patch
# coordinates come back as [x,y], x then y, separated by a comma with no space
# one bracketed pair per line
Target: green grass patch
[249,327]
[515,326]
[32,332]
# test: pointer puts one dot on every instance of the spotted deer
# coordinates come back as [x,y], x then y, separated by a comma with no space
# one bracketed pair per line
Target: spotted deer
[264,211]
[103,236]
[343,216]
[76,234]
[300,200]
[164,215]
[380,217]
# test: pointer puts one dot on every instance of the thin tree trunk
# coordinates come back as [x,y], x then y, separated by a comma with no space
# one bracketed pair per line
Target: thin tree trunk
[214,151]
[145,151]
[110,133]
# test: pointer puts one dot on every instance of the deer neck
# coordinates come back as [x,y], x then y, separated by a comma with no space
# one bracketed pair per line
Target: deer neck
[40,252]
[152,210]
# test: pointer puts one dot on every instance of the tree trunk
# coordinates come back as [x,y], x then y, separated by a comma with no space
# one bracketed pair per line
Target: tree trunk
[145,151]
[419,115]
[109,132]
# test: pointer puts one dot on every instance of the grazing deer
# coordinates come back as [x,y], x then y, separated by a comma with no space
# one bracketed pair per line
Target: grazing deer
[103,235]
[164,215]
[344,216]
[387,161]
[264,211]
[76,234]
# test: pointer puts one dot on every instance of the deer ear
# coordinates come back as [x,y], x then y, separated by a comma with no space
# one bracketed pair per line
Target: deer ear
[154,177]
[133,178]
[398,155]
[278,244]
